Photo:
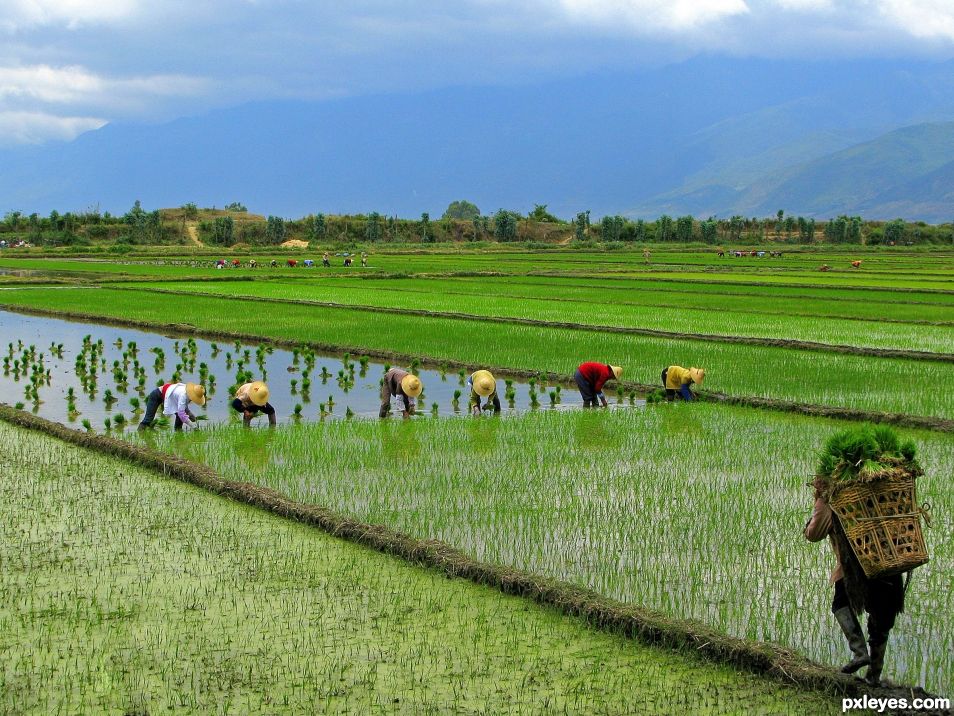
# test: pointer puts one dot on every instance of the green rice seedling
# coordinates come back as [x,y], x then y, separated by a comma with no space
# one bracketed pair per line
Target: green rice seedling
[293,386]
[553,397]
[456,399]
[331,402]
[462,376]
[19,406]
[435,409]
[87,425]
[119,420]
[349,413]
[415,366]
[296,413]
[135,405]
[108,423]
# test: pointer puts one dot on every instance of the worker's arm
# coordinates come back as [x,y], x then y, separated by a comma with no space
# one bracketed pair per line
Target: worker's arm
[685,392]
[602,398]
[183,412]
[819,524]
[385,399]
[408,406]
[495,399]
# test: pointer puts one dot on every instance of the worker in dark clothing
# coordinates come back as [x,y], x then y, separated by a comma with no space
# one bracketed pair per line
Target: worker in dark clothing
[482,384]
[251,399]
[882,599]
[402,388]
[590,379]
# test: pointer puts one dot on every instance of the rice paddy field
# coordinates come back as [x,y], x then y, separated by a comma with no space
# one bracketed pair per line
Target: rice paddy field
[694,511]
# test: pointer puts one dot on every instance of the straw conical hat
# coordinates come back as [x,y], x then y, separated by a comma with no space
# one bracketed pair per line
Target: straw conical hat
[484,383]
[411,385]
[617,371]
[196,393]
[697,375]
[258,393]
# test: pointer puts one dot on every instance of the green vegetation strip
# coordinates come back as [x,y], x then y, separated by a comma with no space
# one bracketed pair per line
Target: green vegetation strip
[593,608]
[126,593]
[305,330]
[494,309]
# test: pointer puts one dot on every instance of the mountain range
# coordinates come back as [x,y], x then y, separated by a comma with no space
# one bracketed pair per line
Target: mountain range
[709,136]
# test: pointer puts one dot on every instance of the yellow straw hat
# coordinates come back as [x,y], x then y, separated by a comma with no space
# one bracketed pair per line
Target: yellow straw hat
[411,385]
[484,383]
[196,393]
[258,393]
[617,371]
[697,375]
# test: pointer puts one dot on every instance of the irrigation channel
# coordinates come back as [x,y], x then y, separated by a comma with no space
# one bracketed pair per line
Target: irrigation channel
[334,387]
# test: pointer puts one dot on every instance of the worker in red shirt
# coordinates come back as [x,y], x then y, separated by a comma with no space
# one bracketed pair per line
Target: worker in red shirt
[590,379]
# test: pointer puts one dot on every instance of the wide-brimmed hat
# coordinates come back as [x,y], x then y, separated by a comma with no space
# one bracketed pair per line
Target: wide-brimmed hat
[617,371]
[411,385]
[697,375]
[196,393]
[484,383]
[258,393]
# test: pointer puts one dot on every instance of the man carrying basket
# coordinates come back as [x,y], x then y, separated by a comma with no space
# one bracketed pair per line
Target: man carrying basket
[882,598]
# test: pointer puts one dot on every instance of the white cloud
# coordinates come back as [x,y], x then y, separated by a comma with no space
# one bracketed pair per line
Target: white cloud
[806,5]
[20,14]
[653,15]
[78,85]
[37,127]
[921,18]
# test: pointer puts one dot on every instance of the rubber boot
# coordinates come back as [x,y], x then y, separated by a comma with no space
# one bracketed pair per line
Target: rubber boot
[873,677]
[856,640]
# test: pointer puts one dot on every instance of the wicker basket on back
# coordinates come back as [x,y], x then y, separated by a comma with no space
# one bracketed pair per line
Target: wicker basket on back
[882,521]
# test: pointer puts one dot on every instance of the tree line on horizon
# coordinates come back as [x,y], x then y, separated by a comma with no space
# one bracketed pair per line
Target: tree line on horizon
[461,222]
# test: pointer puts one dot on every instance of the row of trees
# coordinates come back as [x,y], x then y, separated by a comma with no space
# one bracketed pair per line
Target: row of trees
[462,221]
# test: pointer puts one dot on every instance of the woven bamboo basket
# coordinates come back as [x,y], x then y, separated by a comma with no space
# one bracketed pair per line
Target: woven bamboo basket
[882,521]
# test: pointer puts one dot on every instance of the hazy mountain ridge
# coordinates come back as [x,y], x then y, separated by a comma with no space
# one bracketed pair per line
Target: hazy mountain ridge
[709,136]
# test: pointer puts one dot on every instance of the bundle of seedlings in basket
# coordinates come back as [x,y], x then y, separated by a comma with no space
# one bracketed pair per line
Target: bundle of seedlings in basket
[868,477]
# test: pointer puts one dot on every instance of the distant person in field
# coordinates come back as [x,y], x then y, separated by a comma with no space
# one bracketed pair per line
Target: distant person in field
[590,379]
[174,398]
[856,264]
[647,254]
[482,384]
[401,388]
[325,260]
[824,267]
[676,380]
[252,263]
[251,399]
[882,599]
[273,263]
[292,263]
[347,261]
[364,260]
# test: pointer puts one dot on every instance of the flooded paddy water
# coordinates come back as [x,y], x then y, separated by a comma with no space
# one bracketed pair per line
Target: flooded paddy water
[55,357]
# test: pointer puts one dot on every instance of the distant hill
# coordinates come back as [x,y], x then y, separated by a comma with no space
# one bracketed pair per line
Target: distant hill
[905,173]
[708,136]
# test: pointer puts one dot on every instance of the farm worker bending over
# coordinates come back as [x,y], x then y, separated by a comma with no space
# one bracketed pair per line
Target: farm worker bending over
[677,379]
[590,379]
[482,384]
[252,398]
[174,399]
[882,599]
[403,388]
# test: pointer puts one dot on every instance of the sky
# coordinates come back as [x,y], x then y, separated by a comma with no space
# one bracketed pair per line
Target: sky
[68,66]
